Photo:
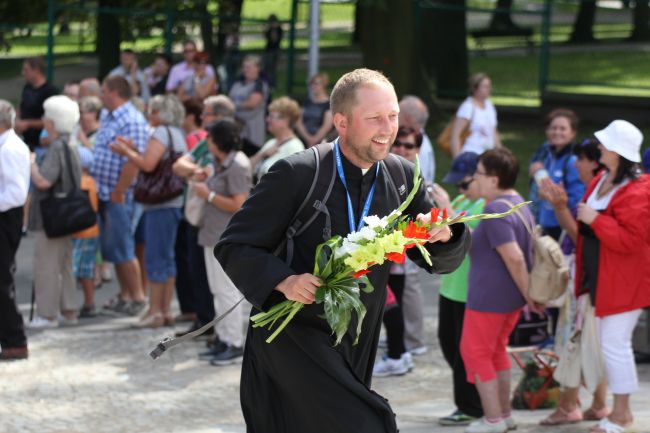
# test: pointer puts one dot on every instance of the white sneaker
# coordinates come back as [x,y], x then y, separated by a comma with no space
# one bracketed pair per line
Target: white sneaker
[390,367]
[510,423]
[417,351]
[39,322]
[407,359]
[482,426]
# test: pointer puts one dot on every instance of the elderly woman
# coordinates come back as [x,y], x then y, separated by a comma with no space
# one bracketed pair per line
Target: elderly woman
[588,166]
[249,94]
[89,108]
[53,280]
[612,253]
[161,220]
[316,120]
[477,115]
[284,112]
[225,192]
[500,260]
[200,84]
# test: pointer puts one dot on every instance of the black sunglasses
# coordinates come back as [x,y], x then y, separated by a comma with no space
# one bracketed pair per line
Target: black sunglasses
[407,146]
[465,184]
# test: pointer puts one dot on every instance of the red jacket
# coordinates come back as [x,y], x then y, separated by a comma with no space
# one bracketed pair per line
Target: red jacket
[623,230]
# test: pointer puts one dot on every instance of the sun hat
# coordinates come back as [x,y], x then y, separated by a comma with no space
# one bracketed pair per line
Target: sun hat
[622,137]
[463,165]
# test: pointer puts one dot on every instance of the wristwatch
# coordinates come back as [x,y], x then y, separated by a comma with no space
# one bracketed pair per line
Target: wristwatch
[211,196]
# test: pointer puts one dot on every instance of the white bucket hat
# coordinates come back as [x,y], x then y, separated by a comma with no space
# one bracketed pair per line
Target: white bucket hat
[622,137]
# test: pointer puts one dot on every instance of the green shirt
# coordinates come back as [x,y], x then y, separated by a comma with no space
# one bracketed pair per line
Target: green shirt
[454,285]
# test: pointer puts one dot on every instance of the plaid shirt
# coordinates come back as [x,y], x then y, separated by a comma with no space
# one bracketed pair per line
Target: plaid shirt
[126,121]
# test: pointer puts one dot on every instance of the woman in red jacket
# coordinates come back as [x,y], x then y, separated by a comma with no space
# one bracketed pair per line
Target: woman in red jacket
[613,245]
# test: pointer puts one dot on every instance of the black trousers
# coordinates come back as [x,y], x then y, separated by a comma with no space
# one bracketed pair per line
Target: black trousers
[12,331]
[450,328]
[204,300]
[184,290]
[394,319]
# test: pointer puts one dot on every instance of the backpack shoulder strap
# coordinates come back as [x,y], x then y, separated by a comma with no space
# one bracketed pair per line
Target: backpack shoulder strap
[396,176]
[530,230]
[314,201]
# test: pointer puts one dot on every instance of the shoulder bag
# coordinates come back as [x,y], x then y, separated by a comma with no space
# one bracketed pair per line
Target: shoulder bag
[67,213]
[161,184]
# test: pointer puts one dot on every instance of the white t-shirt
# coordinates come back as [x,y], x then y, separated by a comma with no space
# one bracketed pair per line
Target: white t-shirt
[483,123]
[601,203]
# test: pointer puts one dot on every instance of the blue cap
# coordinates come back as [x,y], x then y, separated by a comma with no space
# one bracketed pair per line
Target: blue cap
[463,165]
[85,157]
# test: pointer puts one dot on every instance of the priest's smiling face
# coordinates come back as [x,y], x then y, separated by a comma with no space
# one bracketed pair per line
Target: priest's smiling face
[367,133]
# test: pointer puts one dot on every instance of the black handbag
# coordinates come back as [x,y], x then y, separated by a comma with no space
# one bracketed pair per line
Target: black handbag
[67,213]
[161,184]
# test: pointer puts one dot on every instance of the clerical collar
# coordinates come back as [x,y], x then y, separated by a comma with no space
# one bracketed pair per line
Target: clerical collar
[364,171]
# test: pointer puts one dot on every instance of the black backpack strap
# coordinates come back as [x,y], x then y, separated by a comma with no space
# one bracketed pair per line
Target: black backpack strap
[396,176]
[314,202]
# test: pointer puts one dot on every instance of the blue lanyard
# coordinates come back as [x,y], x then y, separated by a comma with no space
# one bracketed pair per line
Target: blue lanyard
[366,206]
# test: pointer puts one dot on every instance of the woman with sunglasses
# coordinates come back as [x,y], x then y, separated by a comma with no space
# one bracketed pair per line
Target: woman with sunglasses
[398,360]
[200,84]
[316,120]
[588,166]
[613,250]
[453,291]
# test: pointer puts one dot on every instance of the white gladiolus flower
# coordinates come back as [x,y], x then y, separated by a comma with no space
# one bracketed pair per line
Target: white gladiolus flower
[347,248]
[368,233]
[353,237]
[373,221]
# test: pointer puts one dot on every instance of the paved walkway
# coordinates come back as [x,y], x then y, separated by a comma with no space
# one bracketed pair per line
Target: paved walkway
[97,377]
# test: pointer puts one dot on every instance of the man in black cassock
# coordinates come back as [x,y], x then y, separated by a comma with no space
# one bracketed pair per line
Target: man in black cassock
[301,382]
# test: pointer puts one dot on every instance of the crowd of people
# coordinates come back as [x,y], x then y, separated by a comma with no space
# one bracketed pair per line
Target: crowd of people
[167,155]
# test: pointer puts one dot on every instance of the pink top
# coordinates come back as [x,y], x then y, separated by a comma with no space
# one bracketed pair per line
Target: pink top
[194,138]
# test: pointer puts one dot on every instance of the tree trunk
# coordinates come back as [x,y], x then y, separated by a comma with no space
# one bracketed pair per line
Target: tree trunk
[206,28]
[641,30]
[388,41]
[583,27]
[356,34]
[108,45]
[502,20]
[229,23]
[444,50]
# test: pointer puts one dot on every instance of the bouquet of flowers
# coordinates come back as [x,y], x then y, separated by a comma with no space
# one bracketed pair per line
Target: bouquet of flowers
[342,264]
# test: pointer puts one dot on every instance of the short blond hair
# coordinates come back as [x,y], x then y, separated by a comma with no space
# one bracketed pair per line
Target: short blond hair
[344,94]
[287,108]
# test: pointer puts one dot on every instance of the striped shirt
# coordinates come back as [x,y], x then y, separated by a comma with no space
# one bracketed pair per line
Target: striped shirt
[124,121]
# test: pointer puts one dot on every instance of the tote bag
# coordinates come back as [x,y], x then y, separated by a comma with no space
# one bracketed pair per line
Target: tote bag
[66,213]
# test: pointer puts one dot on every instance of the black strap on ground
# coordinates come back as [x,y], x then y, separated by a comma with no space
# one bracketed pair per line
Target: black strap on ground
[168,342]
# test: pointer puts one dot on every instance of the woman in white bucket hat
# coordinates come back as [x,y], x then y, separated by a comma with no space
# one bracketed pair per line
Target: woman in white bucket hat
[613,246]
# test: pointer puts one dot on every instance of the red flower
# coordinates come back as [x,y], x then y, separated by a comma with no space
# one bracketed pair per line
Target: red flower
[397,257]
[463,213]
[360,273]
[414,231]
[434,214]
[444,214]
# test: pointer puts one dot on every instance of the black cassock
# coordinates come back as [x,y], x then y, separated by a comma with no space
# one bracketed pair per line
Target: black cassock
[301,383]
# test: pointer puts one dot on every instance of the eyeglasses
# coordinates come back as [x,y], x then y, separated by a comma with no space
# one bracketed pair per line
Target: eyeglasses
[407,146]
[465,184]
[274,116]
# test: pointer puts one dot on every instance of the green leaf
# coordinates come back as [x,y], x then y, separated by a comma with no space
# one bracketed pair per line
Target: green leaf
[365,285]
[425,254]
[320,294]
